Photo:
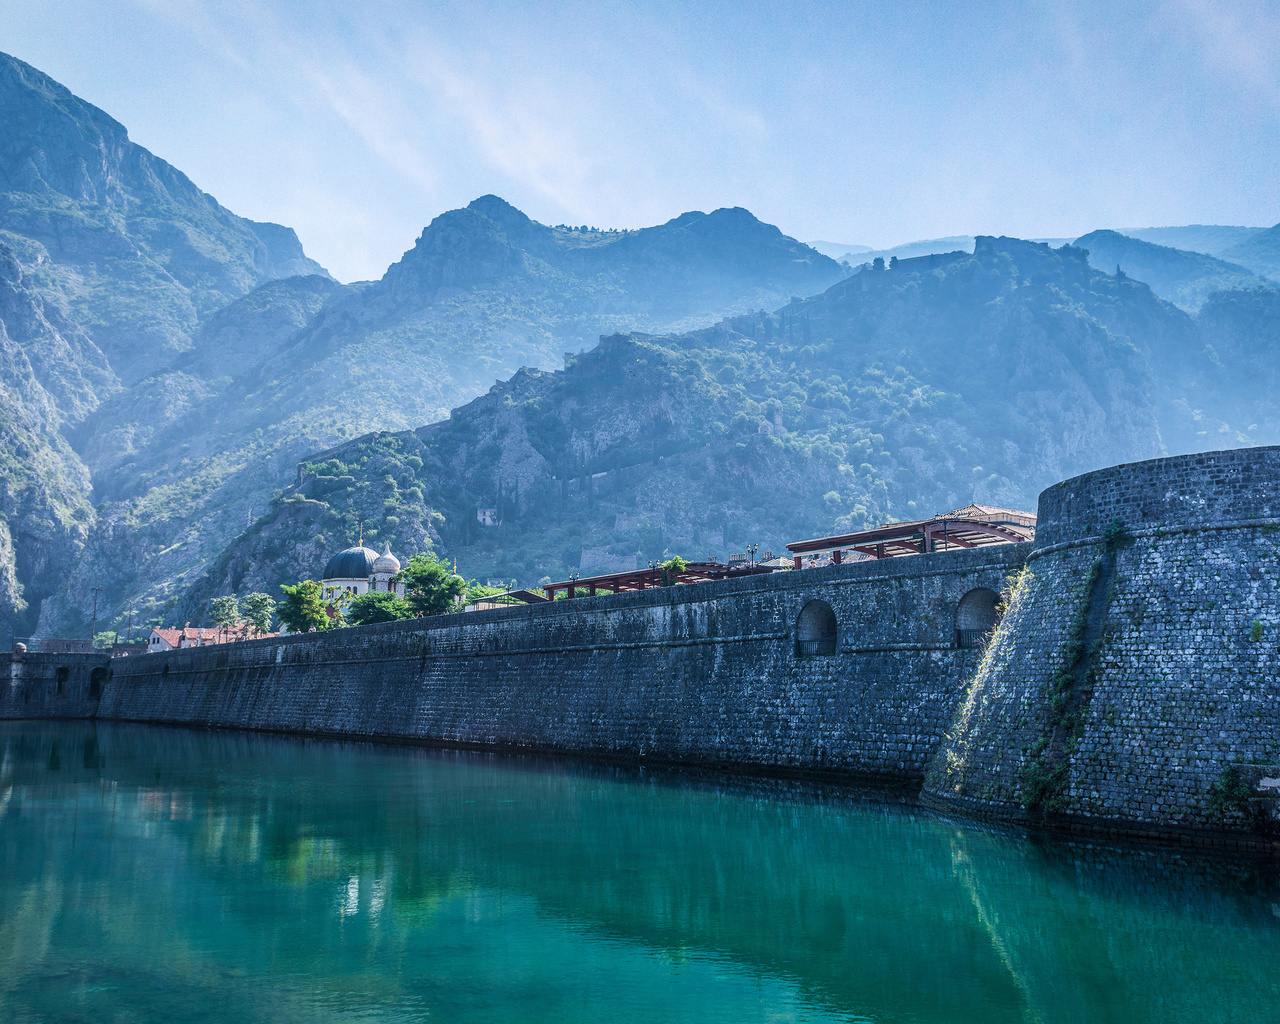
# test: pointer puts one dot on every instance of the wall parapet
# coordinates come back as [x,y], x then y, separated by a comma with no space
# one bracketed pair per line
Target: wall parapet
[1181,491]
[706,674]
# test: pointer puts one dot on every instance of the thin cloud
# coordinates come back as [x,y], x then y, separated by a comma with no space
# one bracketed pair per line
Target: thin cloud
[1242,40]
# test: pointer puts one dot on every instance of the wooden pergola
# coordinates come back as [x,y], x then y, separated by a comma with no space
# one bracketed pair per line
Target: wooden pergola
[973,526]
[645,579]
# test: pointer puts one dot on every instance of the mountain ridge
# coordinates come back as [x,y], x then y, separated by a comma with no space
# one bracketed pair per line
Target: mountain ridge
[829,413]
[1183,277]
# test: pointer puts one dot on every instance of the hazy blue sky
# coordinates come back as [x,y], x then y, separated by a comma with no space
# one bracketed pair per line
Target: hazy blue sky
[876,123]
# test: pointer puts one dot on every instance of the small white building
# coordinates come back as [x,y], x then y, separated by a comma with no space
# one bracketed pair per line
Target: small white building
[360,570]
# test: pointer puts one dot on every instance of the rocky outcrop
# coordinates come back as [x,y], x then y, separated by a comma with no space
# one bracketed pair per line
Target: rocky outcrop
[50,376]
[133,248]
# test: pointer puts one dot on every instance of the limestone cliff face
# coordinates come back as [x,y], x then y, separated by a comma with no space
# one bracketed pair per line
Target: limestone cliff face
[50,375]
[109,259]
[98,212]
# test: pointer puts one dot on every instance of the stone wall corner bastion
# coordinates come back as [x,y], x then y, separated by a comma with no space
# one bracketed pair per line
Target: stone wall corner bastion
[1133,684]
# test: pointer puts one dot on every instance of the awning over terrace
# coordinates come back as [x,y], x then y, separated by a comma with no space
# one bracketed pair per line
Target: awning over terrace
[644,579]
[973,526]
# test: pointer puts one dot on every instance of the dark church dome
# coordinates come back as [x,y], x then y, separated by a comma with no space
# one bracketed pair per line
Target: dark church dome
[352,564]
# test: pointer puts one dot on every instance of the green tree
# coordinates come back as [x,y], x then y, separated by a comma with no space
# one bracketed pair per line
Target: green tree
[475,590]
[106,639]
[377,607]
[431,588]
[671,569]
[226,610]
[302,608]
[259,610]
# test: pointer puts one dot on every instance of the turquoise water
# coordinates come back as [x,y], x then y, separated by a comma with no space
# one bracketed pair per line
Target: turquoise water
[158,875]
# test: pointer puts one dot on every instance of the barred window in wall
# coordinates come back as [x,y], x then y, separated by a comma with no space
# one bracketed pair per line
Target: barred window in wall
[816,630]
[976,617]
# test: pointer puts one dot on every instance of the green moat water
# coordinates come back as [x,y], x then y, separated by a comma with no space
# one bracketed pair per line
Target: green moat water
[157,875]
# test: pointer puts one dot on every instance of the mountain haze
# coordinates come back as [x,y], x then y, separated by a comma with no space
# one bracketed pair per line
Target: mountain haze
[1184,278]
[893,394]
[1260,252]
[1211,239]
[191,406]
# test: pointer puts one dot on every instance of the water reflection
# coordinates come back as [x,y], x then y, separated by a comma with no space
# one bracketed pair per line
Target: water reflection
[165,875]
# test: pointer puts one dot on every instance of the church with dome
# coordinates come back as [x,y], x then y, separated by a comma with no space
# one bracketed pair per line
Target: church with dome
[361,570]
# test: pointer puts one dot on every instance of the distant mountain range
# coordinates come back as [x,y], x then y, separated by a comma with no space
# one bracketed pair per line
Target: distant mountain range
[856,255]
[1182,264]
[1185,278]
[166,365]
[895,393]
[169,361]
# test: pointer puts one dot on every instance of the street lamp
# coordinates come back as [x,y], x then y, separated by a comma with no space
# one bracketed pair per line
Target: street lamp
[751,554]
[93,627]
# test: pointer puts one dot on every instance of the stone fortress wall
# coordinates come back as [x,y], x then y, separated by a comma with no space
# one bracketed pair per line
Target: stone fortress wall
[1134,681]
[1131,685]
[705,674]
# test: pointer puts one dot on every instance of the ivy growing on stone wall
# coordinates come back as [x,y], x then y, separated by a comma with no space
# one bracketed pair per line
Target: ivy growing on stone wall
[1070,688]
[1229,795]
[1044,778]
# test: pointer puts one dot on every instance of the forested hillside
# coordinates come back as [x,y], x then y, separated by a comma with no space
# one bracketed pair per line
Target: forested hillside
[896,393]
[187,357]
[165,365]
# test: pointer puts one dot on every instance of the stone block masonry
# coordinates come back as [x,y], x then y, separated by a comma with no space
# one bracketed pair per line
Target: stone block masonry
[1137,671]
[707,674]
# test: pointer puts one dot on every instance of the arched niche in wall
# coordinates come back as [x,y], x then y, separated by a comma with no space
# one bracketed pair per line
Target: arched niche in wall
[816,629]
[976,616]
[96,678]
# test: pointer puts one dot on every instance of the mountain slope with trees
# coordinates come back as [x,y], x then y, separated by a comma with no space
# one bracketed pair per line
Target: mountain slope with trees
[201,354]
[484,291]
[894,394]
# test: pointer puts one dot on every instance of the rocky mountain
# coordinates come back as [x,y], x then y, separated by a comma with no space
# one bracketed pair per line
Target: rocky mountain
[211,354]
[186,457]
[127,244]
[109,261]
[895,393]
[49,374]
[1184,278]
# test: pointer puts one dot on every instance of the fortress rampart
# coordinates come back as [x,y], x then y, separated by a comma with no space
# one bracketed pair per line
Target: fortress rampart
[1134,681]
[704,674]
[1131,685]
